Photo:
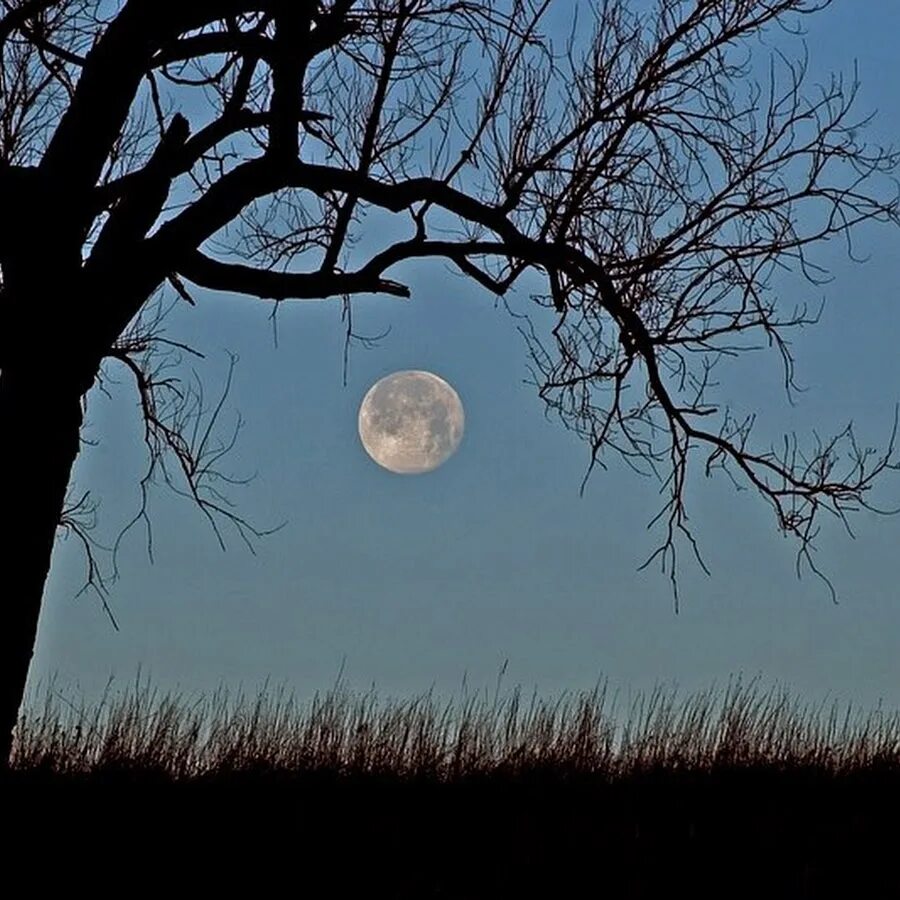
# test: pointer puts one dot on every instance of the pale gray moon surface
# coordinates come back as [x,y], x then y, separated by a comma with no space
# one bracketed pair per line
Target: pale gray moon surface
[411,422]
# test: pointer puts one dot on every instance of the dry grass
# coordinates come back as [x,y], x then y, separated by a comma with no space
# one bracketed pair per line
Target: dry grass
[589,794]
[595,733]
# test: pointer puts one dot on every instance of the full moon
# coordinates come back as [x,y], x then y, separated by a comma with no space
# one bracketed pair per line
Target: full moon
[411,422]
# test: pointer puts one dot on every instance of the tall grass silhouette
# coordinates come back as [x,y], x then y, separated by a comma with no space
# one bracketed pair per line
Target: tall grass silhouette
[741,790]
[597,733]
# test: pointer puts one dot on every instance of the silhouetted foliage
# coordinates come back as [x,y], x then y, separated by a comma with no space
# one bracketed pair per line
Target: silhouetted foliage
[486,795]
[345,733]
[242,146]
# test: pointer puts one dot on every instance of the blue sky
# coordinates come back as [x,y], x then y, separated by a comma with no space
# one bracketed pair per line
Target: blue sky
[418,581]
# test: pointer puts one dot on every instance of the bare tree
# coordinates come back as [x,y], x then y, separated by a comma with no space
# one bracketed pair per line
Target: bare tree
[639,168]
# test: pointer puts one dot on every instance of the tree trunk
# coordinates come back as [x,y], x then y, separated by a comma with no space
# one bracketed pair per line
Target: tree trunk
[40,420]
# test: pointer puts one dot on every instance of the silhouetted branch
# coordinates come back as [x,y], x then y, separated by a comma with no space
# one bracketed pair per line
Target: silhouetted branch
[647,169]
[180,433]
[210,273]
[78,520]
[19,15]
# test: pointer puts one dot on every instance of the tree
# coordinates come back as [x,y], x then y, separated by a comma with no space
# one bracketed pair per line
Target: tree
[639,169]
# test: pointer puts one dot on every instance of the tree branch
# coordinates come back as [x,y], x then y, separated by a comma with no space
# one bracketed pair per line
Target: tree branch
[109,82]
[213,43]
[210,273]
[18,17]
[291,24]
[370,134]
[136,212]
[193,150]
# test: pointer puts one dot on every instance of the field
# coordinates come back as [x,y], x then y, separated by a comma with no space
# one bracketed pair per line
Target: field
[742,791]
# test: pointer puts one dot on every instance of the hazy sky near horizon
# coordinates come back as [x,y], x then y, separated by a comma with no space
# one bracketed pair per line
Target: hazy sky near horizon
[413,581]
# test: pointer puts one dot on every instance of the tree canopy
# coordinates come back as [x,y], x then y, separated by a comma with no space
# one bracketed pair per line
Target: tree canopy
[648,167]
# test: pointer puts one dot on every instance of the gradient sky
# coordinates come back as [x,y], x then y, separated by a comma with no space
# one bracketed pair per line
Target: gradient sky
[419,581]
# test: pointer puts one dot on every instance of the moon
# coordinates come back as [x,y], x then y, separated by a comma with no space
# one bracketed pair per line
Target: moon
[411,422]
